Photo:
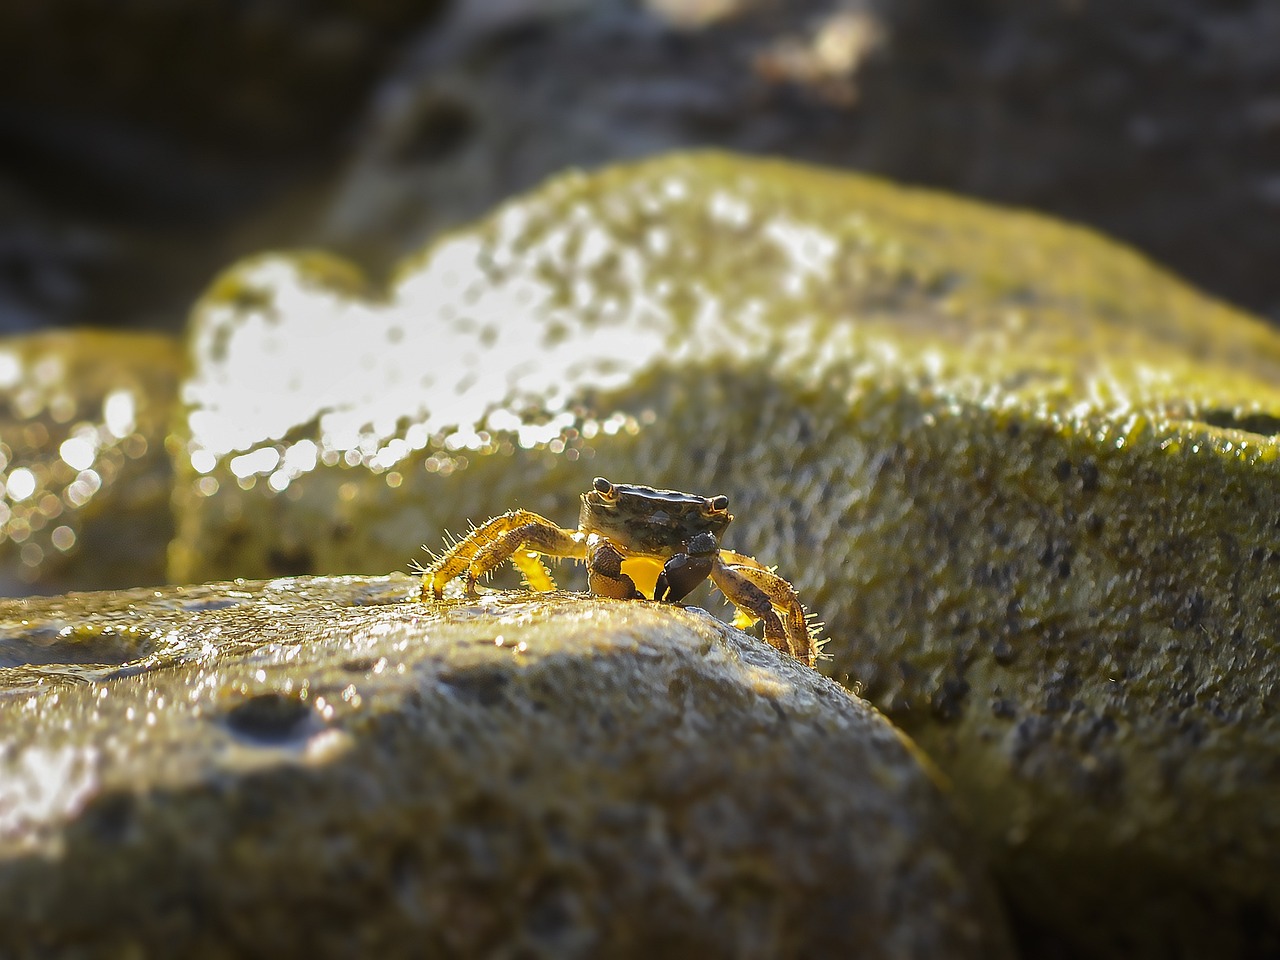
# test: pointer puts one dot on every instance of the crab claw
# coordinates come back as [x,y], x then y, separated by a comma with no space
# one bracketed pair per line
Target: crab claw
[679,576]
[684,571]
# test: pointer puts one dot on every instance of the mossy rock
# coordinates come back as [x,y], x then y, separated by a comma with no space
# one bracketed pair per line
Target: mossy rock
[1027,479]
[329,767]
[86,479]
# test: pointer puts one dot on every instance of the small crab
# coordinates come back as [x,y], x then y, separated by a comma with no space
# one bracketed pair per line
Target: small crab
[632,524]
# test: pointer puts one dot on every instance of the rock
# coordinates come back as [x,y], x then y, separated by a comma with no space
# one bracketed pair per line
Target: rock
[146,144]
[285,77]
[1154,123]
[311,766]
[86,477]
[1018,471]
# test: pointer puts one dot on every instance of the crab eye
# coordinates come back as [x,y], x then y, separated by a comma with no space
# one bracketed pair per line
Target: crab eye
[602,486]
[719,504]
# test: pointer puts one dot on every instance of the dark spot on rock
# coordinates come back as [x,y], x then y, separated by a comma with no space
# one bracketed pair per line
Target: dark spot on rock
[78,643]
[481,685]
[1004,652]
[269,717]
[406,867]
[109,818]
[1059,692]
[1013,430]
[947,701]
[1190,611]
[197,604]
[290,562]
[997,576]
[359,665]
[804,429]
[1093,524]
[383,595]
[1101,728]
[1062,469]
[1004,708]
[1089,475]
[1064,569]
[550,914]
[441,128]
[1261,423]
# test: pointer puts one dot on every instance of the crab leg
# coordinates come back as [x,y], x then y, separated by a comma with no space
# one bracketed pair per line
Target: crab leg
[604,572]
[516,536]
[758,591]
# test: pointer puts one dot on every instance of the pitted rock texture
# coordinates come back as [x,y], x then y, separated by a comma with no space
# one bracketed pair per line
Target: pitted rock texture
[328,767]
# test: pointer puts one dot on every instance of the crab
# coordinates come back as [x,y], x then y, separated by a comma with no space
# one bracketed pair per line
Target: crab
[642,528]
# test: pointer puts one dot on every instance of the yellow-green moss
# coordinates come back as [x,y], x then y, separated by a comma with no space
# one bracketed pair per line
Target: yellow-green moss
[1028,479]
[84,474]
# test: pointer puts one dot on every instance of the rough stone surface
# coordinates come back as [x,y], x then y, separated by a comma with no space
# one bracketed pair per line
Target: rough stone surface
[327,767]
[84,474]
[1026,478]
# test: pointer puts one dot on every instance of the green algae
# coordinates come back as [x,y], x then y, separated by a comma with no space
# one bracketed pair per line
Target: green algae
[1027,478]
[325,764]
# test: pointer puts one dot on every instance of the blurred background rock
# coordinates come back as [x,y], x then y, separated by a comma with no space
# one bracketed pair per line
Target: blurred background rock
[145,145]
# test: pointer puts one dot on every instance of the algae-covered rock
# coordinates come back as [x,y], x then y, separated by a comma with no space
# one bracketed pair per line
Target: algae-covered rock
[328,767]
[1027,479]
[84,474]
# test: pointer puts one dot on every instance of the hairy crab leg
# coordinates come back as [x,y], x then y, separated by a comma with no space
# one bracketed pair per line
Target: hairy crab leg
[758,591]
[497,540]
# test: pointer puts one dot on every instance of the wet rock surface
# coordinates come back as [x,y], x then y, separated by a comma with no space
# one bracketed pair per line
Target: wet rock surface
[327,766]
[1015,468]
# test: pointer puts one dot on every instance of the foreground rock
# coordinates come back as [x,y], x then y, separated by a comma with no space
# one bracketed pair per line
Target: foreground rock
[1022,474]
[322,767]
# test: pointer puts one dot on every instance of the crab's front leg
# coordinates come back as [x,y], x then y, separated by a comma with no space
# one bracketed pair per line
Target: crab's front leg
[516,536]
[604,571]
[684,571]
[759,592]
